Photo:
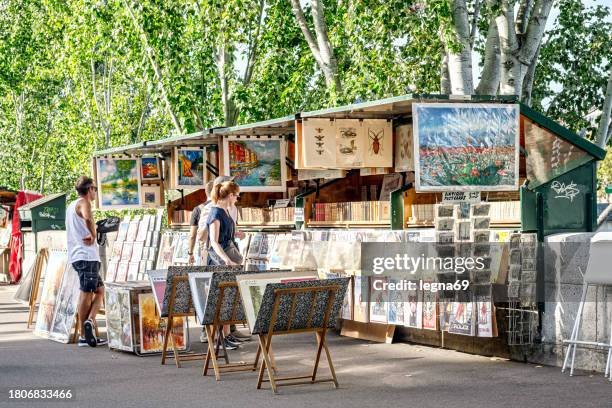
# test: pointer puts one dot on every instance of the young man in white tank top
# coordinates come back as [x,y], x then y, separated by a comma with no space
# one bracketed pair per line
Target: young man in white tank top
[83,254]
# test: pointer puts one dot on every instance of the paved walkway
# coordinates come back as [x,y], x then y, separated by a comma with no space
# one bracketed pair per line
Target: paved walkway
[370,375]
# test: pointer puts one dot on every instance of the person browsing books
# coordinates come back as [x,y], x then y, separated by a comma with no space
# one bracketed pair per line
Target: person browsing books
[222,249]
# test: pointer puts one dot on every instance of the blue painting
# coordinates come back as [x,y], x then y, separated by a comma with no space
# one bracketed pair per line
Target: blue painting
[466,147]
[118,183]
[189,165]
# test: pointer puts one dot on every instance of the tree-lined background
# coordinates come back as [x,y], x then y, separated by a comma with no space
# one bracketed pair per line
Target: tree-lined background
[82,75]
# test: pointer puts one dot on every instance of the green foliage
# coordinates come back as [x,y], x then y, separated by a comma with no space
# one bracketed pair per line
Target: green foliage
[574,64]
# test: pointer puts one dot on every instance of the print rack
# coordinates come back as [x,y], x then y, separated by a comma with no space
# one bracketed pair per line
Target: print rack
[295,308]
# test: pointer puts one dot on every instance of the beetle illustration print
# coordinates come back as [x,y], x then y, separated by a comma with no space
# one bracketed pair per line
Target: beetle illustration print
[376,138]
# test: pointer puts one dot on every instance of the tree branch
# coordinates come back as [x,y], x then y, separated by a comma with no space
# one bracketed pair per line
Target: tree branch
[605,129]
[489,79]
[248,72]
[535,30]
[522,16]
[155,66]
[474,24]
[445,86]
[460,64]
[528,81]
[301,20]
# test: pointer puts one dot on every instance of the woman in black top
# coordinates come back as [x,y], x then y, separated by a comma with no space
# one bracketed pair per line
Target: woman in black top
[221,227]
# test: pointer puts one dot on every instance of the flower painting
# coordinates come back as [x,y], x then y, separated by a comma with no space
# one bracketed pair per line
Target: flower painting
[256,164]
[149,167]
[189,166]
[466,147]
[118,183]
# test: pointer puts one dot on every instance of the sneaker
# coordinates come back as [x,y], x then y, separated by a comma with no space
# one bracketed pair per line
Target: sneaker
[234,339]
[82,342]
[233,343]
[90,337]
[241,336]
[203,338]
[230,346]
[101,342]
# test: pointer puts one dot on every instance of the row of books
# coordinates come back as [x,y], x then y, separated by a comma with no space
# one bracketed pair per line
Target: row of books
[506,211]
[352,211]
[181,216]
[253,215]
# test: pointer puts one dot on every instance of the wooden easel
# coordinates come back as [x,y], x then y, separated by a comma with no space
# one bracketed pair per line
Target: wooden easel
[41,258]
[171,316]
[265,339]
[217,328]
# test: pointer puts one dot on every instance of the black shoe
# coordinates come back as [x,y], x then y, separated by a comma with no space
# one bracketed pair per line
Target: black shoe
[229,345]
[82,342]
[101,342]
[90,337]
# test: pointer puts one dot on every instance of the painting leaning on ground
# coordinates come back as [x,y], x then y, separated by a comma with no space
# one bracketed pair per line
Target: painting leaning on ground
[468,147]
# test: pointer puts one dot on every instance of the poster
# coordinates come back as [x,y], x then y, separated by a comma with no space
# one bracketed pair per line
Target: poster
[152,327]
[318,147]
[379,301]
[484,310]
[466,147]
[379,139]
[189,165]
[149,168]
[404,149]
[396,313]
[413,309]
[430,310]
[118,318]
[199,282]
[118,183]
[257,164]
[54,273]
[462,318]
[350,143]
[64,315]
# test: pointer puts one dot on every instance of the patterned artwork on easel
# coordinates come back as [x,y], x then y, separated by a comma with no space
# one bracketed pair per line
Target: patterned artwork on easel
[319,147]
[54,273]
[350,143]
[379,137]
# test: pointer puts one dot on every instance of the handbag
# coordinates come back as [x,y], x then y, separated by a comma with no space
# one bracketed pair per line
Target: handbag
[231,251]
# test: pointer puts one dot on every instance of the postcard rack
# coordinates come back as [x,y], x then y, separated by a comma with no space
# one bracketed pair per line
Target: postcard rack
[223,306]
[288,303]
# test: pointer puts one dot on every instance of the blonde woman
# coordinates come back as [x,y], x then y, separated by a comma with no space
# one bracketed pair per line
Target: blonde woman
[222,249]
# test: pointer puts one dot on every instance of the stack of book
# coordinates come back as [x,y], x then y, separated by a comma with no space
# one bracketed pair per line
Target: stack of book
[181,216]
[253,215]
[352,211]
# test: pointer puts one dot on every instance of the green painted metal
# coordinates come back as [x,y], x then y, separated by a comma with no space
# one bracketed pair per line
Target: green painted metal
[609,189]
[249,126]
[397,207]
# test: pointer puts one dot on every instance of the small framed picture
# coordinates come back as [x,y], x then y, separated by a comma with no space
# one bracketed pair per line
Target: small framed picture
[151,196]
[482,250]
[528,252]
[150,169]
[530,238]
[515,241]
[515,257]
[463,210]
[515,273]
[445,237]
[480,276]
[481,236]
[445,224]
[486,262]
[444,210]
[529,264]
[480,210]
[528,277]
[481,223]
[445,251]
[464,230]
[513,290]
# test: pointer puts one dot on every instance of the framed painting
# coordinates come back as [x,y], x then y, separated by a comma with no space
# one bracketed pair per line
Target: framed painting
[189,166]
[64,316]
[54,274]
[350,143]
[118,183]
[466,147]
[199,282]
[256,164]
[150,169]
[379,138]
[151,196]
[404,149]
[318,143]
[152,327]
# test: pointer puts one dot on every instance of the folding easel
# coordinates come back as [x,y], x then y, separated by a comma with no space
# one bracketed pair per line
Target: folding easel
[41,259]
[169,333]
[216,327]
[265,339]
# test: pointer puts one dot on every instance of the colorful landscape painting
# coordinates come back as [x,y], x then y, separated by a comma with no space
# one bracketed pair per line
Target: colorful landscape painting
[256,164]
[152,327]
[189,167]
[466,147]
[149,168]
[118,183]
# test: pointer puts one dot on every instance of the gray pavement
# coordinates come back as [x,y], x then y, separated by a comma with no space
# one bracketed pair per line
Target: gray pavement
[370,375]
